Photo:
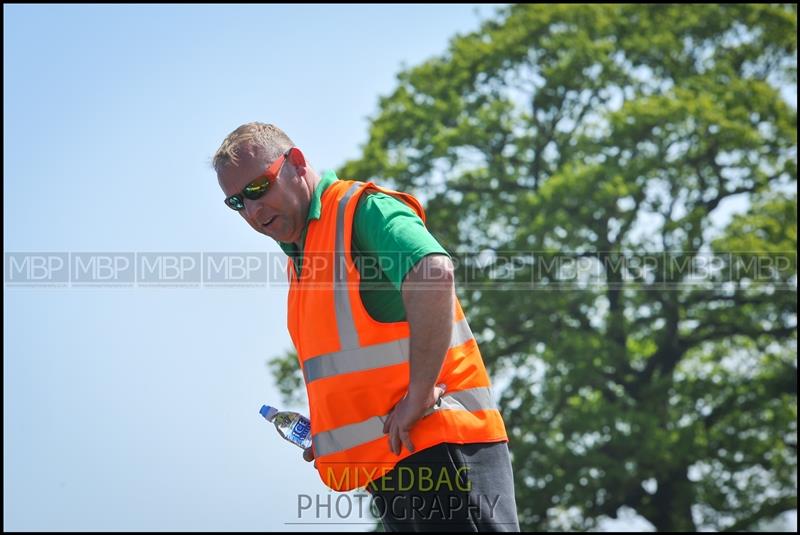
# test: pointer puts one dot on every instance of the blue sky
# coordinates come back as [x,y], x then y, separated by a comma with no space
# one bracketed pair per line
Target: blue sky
[137,408]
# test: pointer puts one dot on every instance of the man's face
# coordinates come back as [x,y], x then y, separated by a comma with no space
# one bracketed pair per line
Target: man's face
[281,212]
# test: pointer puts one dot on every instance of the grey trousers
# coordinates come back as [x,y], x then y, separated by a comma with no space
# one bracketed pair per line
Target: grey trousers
[449,487]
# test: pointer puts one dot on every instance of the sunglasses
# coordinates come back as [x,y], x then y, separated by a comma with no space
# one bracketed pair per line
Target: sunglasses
[258,187]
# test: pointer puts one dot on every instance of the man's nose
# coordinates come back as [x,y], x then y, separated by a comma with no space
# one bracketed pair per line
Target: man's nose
[252,209]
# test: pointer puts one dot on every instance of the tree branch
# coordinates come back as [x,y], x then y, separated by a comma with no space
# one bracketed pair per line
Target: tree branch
[769,510]
[726,330]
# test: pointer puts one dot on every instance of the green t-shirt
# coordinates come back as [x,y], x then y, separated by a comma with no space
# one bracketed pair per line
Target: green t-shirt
[388,240]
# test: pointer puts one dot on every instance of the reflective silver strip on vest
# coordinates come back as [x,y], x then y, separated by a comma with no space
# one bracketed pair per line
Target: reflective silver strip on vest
[356,360]
[348,337]
[473,399]
[461,333]
[374,356]
[352,435]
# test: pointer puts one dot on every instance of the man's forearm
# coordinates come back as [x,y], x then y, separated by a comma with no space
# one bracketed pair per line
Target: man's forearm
[428,296]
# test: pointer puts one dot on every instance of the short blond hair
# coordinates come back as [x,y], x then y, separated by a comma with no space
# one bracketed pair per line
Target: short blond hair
[252,138]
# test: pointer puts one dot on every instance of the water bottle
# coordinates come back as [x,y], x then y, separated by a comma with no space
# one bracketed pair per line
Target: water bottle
[292,426]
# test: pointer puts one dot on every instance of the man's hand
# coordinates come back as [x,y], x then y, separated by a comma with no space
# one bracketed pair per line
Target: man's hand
[405,415]
[308,455]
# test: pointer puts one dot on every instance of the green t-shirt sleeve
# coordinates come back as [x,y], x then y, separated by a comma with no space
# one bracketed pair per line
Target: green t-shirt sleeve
[390,231]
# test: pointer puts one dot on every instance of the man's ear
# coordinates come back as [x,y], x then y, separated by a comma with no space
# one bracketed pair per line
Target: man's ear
[298,160]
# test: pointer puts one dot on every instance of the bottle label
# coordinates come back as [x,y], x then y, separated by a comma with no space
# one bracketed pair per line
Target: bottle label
[300,430]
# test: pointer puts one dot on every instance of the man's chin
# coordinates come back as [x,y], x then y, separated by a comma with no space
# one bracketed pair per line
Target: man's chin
[278,235]
[269,234]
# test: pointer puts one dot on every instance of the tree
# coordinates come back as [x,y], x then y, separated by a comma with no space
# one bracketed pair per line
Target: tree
[661,375]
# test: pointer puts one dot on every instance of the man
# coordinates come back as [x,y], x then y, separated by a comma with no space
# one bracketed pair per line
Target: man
[399,398]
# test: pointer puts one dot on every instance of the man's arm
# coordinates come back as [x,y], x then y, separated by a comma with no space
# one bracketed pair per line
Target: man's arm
[428,296]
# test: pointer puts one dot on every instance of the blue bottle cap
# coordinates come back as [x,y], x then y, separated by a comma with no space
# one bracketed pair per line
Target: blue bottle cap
[268,412]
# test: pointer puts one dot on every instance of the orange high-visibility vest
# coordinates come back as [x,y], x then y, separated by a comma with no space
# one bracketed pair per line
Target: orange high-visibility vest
[356,369]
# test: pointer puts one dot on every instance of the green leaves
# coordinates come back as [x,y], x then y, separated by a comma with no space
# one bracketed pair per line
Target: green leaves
[286,371]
